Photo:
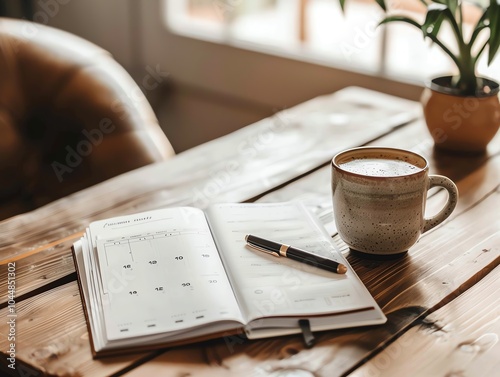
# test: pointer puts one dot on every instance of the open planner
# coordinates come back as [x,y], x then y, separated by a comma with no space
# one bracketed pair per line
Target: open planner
[179,275]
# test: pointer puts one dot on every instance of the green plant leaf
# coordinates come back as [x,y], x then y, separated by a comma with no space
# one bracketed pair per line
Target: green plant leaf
[453,5]
[436,14]
[381,3]
[342,4]
[493,12]
[434,19]
[401,19]
[482,23]
[429,35]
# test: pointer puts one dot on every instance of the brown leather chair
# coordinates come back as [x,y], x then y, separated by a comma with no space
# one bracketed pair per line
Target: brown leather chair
[70,117]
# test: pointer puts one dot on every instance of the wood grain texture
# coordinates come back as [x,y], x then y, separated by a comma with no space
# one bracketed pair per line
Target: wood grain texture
[481,174]
[446,262]
[460,339]
[394,284]
[231,169]
[51,335]
[406,290]
[240,165]
[39,268]
[45,262]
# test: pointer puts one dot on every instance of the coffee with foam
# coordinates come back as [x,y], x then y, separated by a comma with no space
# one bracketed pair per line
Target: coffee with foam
[380,167]
[379,196]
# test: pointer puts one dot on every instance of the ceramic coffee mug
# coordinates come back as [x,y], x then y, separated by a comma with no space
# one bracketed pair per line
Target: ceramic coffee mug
[379,197]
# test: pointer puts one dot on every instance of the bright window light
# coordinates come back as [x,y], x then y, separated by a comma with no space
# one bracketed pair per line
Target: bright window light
[317,31]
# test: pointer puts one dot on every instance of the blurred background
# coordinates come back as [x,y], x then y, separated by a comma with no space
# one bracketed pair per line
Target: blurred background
[219,65]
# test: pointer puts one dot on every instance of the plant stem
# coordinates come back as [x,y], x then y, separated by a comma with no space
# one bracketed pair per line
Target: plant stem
[480,52]
[467,81]
[460,18]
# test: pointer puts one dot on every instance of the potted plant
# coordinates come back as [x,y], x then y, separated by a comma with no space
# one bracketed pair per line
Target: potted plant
[462,112]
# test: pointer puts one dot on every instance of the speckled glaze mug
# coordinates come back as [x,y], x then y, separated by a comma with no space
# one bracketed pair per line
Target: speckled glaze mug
[379,197]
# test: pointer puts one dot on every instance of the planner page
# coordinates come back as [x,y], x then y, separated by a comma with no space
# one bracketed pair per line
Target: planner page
[160,271]
[269,286]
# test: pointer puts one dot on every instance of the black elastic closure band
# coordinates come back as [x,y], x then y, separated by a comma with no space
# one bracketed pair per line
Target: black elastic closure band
[307,334]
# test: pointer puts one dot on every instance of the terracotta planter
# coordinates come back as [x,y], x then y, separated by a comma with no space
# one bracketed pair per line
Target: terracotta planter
[461,123]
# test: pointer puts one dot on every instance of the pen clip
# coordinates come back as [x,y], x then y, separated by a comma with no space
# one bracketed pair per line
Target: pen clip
[273,253]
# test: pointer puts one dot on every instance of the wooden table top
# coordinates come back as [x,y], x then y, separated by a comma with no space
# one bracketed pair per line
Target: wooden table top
[441,301]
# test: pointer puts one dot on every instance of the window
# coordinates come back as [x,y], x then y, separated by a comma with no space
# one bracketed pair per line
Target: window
[317,31]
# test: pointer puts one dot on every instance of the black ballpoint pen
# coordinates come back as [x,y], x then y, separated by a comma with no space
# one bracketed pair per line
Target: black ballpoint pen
[280,250]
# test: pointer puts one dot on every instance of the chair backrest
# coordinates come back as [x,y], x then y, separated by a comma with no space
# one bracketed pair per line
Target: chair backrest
[70,117]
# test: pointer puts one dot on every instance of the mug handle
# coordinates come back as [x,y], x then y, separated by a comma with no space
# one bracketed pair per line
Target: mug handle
[446,183]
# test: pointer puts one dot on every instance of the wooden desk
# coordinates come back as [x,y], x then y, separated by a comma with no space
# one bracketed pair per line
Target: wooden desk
[441,301]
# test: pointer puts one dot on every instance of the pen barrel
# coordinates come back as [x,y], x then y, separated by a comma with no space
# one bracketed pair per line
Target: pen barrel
[296,254]
[263,243]
[312,259]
